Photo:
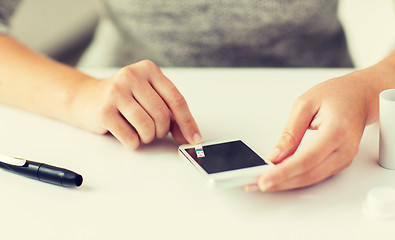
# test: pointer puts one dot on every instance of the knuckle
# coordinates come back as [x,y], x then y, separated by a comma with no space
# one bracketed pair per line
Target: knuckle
[301,102]
[131,143]
[126,72]
[162,125]
[114,89]
[178,100]
[143,124]
[147,139]
[162,115]
[129,71]
[150,66]
[125,76]
[188,123]
[147,131]
[104,113]
[162,134]
[147,125]
[288,138]
[147,63]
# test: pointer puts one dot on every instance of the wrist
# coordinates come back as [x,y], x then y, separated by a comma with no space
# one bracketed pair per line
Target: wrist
[372,81]
[385,71]
[79,105]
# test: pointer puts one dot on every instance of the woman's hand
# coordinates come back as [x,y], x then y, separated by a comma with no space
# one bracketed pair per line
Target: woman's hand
[338,110]
[137,105]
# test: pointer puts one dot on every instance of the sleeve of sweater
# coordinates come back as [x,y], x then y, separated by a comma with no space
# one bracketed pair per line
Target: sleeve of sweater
[7,8]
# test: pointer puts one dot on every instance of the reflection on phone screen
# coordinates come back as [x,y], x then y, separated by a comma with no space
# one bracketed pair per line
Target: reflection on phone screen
[226,157]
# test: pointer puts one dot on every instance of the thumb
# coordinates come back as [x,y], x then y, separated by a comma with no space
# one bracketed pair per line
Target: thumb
[301,116]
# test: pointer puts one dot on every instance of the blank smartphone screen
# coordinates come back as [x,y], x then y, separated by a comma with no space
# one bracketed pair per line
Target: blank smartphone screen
[226,157]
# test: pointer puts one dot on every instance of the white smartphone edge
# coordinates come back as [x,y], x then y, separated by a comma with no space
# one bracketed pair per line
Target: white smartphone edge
[226,179]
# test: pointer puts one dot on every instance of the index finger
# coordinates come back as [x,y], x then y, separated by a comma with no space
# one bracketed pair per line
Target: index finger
[177,105]
[302,113]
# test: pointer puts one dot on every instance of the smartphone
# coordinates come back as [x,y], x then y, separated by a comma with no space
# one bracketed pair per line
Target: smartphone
[228,163]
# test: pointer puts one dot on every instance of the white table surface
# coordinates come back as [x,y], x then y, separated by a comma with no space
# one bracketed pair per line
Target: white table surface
[151,193]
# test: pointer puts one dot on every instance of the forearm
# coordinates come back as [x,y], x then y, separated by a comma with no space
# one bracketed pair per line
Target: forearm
[137,104]
[36,83]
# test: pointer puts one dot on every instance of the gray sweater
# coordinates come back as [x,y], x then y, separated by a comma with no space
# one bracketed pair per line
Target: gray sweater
[217,33]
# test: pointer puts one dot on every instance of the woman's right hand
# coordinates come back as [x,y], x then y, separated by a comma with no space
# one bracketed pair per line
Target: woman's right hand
[137,104]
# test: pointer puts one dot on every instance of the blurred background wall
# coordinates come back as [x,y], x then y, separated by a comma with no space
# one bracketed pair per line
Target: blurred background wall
[58,28]
[370,29]
[63,28]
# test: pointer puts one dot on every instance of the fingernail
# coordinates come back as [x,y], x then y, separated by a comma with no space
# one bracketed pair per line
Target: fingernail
[273,154]
[197,138]
[251,188]
[265,185]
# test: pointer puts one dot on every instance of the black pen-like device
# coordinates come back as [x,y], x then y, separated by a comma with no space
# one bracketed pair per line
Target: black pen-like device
[41,172]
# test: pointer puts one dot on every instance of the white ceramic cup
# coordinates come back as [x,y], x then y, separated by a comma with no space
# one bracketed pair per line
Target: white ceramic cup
[387,129]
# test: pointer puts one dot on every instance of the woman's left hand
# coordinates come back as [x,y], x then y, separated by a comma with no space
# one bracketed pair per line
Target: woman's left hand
[338,109]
